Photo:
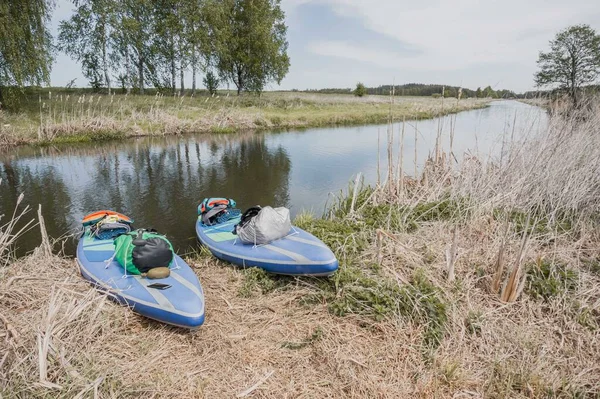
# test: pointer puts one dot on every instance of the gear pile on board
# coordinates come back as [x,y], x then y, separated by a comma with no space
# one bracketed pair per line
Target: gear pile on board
[139,267]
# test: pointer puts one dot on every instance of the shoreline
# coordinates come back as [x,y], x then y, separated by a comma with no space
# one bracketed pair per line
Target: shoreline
[109,118]
[389,311]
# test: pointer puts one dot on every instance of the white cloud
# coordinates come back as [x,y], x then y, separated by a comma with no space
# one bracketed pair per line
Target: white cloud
[463,42]
[452,35]
[390,59]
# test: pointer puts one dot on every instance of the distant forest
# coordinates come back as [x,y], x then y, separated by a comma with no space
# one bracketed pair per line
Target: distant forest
[435,90]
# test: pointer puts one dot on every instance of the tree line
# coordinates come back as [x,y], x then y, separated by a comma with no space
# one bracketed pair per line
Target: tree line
[135,44]
[419,89]
[571,67]
[155,42]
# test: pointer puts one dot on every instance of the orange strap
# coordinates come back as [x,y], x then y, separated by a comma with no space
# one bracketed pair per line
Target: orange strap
[98,215]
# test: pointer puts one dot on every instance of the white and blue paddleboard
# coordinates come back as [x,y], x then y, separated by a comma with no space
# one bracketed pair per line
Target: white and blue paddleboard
[299,253]
[182,304]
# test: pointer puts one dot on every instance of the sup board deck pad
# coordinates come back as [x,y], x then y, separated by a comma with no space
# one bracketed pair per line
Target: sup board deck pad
[181,304]
[299,253]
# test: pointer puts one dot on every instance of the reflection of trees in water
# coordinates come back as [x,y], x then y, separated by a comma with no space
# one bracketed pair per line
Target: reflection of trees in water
[45,187]
[250,172]
[160,186]
[159,182]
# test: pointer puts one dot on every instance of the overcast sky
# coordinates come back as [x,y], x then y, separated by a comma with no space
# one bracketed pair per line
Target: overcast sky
[469,43]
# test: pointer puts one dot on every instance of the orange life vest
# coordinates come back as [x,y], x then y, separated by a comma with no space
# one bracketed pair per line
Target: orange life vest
[95,217]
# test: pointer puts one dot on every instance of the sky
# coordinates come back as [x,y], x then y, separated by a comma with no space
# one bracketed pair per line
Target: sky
[467,43]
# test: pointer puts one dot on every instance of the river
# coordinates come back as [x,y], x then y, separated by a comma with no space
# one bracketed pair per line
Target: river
[159,181]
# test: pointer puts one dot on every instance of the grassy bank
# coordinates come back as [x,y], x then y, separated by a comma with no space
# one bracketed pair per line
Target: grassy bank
[472,280]
[48,117]
[537,102]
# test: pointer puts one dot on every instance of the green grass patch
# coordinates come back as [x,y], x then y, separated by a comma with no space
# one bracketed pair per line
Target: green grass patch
[424,304]
[356,291]
[97,136]
[546,280]
[538,224]
[402,218]
[257,280]
[344,237]
[359,288]
[446,209]
[399,218]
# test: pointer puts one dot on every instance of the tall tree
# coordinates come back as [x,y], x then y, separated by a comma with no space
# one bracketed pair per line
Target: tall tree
[25,43]
[248,40]
[180,40]
[195,31]
[167,42]
[121,55]
[136,23]
[85,36]
[573,60]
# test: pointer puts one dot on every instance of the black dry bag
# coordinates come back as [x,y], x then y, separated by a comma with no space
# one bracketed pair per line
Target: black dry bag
[151,252]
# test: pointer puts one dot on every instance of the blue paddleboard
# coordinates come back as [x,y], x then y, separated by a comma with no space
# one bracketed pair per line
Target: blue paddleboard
[180,305]
[299,253]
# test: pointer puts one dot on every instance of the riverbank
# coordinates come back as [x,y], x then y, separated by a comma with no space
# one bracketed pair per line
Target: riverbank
[388,324]
[467,281]
[55,117]
[536,102]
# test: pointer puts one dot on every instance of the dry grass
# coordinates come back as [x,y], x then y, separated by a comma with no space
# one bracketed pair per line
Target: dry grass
[527,348]
[389,324]
[57,117]
[71,340]
[538,102]
[92,340]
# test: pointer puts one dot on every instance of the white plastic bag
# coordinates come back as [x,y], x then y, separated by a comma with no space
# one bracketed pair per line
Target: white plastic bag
[269,225]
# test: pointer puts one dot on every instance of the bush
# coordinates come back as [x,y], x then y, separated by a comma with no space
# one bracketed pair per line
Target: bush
[360,90]
[211,82]
[436,95]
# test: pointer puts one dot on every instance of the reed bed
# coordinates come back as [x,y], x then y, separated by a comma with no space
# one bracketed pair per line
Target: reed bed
[62,117]
[473,279]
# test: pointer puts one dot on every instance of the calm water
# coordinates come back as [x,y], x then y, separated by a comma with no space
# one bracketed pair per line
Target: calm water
[160,181]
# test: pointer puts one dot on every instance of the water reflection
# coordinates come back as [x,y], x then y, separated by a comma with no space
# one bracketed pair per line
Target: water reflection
[43,187]
[159,181]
